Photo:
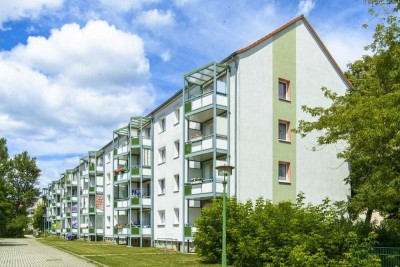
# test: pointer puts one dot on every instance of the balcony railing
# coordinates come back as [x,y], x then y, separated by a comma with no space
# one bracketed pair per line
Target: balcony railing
[190,230]
[204,100]
[200,186]
[205,142]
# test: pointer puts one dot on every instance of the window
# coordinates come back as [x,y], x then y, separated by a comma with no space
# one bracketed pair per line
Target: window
[284,172]
[176,217]
[108,178]
[176,183]
[161,217]
[284,131]
[177,114]
[284,89]
[162,125]
[161,158]
[161,186]
[176,149]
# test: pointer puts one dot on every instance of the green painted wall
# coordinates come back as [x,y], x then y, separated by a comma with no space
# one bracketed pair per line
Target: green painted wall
[284,67]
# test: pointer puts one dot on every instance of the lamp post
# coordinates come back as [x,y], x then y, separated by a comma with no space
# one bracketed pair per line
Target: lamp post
[224,170]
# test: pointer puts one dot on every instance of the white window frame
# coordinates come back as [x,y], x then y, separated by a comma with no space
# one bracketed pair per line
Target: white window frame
[162,123]
[177,116]
[161,186]
[176,149]
[161,217]
[162,155]
[286,178]
[286,97]
[176,183]
[287,130]
[176,217]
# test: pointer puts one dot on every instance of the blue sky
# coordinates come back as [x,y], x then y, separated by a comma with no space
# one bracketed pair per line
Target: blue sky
[72,71]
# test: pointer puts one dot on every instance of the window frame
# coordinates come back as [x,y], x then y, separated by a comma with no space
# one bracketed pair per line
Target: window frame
[162,123]
[288,90]
[176,183]
[177,116]
[162,155]
[161,186]
[287,172]
[287,134]
[161,217]
[176,149]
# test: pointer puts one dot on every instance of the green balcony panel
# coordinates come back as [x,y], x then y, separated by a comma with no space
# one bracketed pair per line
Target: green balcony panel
[188,107]
[188,231]
[135,141]
[115,230]
[91,209]
[68,230]
[91,168]
[91,189]
[91,230]
[135,201]
[68,198]
[115,151]
[68,182]
[188,189]
[115,177]
[68,214]
[134,230]
[188,148]
[115,204]
[135,171]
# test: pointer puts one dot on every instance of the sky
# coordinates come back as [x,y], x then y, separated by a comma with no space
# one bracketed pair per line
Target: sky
[72,71]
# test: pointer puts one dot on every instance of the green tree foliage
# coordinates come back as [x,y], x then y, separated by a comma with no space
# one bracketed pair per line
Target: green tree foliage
[367,119]
[18,180]
[285,234]
[37,219]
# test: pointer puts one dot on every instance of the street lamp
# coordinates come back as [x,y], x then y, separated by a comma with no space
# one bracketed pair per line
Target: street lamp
[224,170]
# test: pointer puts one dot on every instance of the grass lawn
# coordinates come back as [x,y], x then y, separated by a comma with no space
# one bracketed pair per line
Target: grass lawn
[114,255]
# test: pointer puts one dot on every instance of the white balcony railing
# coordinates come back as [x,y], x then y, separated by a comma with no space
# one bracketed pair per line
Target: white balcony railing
[200,186]
[207,99]
[121,204]
[203,143]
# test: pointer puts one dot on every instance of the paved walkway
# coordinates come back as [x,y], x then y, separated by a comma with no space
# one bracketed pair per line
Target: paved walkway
[21,252]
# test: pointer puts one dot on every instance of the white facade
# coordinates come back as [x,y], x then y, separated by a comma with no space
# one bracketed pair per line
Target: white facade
[235,121]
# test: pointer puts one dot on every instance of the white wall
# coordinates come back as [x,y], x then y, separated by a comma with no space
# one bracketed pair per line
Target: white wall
[170,200]
[254,86]
[319,174]
[108,190]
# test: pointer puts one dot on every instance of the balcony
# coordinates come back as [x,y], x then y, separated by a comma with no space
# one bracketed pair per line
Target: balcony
[190,230]
[200,108]
[144,201]
[134,230]
[121,177]
[122,204]
[201,148]
[202,189]
[137,171]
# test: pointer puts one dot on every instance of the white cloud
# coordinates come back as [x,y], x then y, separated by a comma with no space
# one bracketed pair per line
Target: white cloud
[66,93]
[15,10]
[166,56]
[97,53]
[155,18]
[305,7]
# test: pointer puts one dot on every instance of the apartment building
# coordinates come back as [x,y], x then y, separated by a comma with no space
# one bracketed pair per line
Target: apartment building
[150,182]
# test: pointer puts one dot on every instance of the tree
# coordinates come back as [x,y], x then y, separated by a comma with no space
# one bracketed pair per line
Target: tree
[37,219]
[283,234]
[18,180]
[367,119]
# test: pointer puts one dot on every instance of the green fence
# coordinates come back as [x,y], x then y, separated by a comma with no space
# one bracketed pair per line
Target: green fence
[390,256]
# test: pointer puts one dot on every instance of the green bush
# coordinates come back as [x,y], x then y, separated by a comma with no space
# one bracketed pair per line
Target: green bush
[283,234]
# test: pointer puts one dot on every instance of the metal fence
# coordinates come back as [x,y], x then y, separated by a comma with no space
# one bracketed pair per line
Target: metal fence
[390,256]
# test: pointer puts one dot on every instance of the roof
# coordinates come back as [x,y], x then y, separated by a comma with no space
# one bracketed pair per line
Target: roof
[313,32]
